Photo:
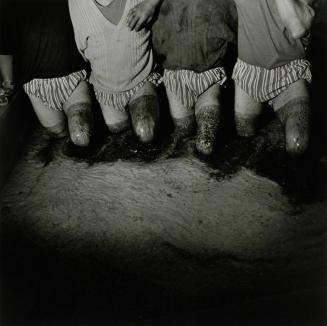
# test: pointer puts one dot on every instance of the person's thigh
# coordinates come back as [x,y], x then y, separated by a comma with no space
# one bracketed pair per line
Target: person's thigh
[147,89]
[146,96]
[211,97]
[297,90]
[81,94]
[113,115]
[247,113]
[48,117]
[245,105]
[177,109]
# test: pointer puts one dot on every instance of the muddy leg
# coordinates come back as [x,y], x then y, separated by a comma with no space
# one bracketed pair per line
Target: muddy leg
[184,124]
[293,109]
[78,109]
[208,118]
[80,122]
[295,117]
[144,112]
[53,121]
[247,113]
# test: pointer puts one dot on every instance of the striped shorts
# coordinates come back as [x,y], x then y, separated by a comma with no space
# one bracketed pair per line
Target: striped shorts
[265,84]
[54,92]
[188,85]
[120,100]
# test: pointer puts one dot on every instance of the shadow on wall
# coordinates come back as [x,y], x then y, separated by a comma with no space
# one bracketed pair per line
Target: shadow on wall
[317,55]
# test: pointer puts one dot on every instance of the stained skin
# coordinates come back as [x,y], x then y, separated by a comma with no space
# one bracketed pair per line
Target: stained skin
[208,120]
[144,113]
[80,123]
[296,117]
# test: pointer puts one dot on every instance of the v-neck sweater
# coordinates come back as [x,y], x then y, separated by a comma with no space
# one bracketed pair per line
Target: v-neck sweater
[120,59]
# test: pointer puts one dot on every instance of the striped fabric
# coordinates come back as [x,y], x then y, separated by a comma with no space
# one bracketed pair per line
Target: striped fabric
[54,92]
[188,85]
[265,84]
[120,100]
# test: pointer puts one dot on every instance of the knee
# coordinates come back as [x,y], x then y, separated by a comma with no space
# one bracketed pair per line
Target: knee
[81,138]
[297,143]
[57,131]
[295,116]
[80,121]
[118,127]
[145,130]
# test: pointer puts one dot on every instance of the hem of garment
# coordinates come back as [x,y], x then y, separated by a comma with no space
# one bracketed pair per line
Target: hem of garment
[188,85]
[120,100]
[51,91]
[263,85]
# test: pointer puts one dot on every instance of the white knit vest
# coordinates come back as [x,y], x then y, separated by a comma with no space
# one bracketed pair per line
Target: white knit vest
[120,59]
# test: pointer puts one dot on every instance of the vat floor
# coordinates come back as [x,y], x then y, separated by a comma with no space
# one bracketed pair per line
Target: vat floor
[162,241]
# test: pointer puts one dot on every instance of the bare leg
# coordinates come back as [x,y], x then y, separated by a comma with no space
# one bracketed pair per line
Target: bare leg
[183,116]
[184,122]
[53,121]
[116,120]
[293,109]
[144,112]
[78,109]
[208,118]
[247,113]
